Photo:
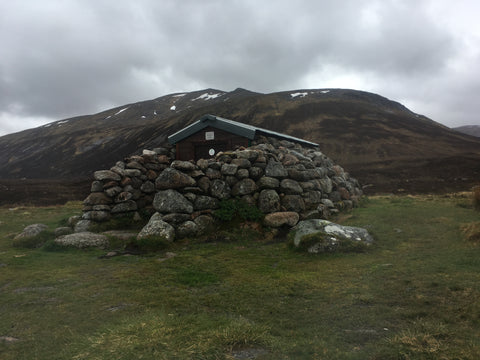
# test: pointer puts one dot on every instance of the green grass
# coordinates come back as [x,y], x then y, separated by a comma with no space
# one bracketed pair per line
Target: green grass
[413,295]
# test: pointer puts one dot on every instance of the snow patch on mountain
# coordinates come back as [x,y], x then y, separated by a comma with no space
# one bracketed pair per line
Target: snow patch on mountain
[120,111]
[208,96]
[299,94]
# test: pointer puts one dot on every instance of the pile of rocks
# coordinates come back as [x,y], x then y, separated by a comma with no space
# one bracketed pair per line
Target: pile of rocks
[284,180]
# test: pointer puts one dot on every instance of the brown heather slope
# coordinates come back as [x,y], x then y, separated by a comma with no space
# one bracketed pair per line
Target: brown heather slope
[383,144]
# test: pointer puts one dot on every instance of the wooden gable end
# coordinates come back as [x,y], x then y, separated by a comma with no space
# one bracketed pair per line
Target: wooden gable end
[207,142]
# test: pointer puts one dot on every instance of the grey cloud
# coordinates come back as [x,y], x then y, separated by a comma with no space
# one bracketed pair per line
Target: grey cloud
[64,58]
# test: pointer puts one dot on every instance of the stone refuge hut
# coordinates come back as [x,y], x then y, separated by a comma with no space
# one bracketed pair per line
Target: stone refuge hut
[288,179]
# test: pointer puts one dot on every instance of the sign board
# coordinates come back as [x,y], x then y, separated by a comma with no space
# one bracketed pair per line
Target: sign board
[209,135]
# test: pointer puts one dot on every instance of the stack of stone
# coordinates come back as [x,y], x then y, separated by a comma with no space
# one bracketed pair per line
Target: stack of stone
[127,187]
[284,180]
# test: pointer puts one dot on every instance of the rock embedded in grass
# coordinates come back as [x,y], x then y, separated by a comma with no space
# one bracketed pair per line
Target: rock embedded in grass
[31,231]
[318,236]
[83,240]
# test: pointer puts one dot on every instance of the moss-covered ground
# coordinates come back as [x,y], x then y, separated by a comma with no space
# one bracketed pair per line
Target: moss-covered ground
[413,295]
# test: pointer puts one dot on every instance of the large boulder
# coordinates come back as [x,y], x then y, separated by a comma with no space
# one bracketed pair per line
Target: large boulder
[171,201]
[279,219]
[83,240]
[31,237]
[31,231]
[318,236]
[275,169]
[157,227]
[171,178]
[187,229]
[269,201]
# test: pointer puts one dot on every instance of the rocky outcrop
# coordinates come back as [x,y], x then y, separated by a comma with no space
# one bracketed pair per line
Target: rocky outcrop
[284,180]
[318,236]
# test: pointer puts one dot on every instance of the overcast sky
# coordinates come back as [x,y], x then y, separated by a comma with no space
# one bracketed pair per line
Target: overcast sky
[63,58]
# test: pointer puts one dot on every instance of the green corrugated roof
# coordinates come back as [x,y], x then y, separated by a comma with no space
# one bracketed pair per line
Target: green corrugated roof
[230,126]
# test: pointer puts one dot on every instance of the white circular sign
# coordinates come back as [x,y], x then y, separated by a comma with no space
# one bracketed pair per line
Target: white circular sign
[211,152]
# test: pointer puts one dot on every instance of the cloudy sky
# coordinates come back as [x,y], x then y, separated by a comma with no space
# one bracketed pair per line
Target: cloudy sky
[62,58]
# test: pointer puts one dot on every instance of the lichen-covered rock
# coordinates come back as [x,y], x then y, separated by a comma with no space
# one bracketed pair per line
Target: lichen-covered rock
[293,203]
[82,226]
[203,202]
[106,175]
[204,222]
[97,216]
[97,186]
[183,165]
[97,198]
[318,235]
[290,187]
[220,189]
[113,191]
[31,231]
[175,219]
[63,230]
[186,229]
[266,182]
[173,179]
[83,240]
[229,169]
[242,163]
[275,169]
[268,201]
[244,187]
[279,219]
[171,201]
[157,227]
[148,187]
[124,207]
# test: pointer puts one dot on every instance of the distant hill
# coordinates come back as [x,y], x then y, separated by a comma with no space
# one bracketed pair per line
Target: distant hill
[379,141]
[473,130]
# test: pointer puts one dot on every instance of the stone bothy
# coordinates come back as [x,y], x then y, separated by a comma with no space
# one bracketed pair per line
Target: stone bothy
[212,134]
[288,179]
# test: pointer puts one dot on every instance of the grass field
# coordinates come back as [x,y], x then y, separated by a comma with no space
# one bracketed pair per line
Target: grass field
[413,295]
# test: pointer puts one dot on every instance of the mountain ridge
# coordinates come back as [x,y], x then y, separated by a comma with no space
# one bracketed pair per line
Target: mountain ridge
[368,134]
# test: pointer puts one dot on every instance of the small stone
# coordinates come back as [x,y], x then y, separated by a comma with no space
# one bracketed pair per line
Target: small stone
[278,219]
[244,187]
[183,165]
[123,207]
[106,175]
[229,169]
[157,227]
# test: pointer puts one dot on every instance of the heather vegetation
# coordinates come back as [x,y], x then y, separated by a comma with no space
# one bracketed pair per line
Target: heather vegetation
[242,292]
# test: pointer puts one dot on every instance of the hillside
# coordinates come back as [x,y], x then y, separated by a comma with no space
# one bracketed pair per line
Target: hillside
[473,130]
[381,142]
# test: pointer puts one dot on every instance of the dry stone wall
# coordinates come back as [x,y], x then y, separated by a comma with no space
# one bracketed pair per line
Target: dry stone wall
[284,180]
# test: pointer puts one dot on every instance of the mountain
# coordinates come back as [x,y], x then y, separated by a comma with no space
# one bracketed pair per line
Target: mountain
[473,130]
[381,142]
